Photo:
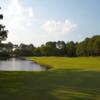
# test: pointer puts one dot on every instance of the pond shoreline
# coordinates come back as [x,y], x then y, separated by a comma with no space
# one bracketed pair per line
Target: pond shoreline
[48,67]
[20,64]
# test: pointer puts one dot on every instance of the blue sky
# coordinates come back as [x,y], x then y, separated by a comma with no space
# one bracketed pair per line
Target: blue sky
[39,21]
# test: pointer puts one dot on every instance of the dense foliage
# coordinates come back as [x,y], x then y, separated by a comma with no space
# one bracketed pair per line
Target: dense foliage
[88,47]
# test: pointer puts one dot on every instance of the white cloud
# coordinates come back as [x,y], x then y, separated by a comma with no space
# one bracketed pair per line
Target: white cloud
[18,20]
[31,12]
[52,26]
[24,28]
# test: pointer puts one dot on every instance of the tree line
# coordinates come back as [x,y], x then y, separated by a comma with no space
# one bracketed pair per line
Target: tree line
[88,47]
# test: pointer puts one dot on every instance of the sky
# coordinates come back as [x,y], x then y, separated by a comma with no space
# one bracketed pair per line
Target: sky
[39,21]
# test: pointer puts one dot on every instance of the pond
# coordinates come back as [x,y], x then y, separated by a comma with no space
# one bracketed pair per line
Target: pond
[15,64]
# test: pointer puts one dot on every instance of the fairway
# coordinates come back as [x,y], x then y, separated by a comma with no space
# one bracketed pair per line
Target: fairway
[84,63]
[68,79]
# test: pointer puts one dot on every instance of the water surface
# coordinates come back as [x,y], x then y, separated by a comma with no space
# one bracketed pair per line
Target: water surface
[15,64]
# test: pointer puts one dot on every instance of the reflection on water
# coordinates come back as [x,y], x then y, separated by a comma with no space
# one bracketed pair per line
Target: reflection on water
[14,64]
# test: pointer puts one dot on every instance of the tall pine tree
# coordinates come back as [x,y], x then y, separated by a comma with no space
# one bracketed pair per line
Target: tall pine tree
[3,32]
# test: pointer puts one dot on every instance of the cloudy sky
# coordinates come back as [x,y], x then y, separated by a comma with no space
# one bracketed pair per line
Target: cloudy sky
[38,21]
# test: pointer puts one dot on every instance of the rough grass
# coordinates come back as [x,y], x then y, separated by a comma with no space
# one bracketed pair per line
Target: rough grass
[69,79]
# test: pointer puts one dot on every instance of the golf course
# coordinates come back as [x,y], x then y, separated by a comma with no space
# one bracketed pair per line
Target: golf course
[49,49]
[66,79]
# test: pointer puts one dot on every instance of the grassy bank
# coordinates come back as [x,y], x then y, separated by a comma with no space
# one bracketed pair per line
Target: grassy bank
[69,79]
[86,63]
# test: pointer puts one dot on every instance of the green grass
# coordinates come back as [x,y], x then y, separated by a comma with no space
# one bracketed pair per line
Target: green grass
[86,63]
[68,79]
